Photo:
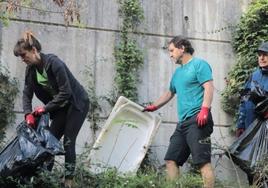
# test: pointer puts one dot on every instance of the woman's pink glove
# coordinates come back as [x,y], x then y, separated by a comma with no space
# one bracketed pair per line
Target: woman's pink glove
[39,111]
[30,120]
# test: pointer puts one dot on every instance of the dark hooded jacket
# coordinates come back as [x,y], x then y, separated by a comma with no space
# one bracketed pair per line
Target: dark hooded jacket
[255,91]
[68,90]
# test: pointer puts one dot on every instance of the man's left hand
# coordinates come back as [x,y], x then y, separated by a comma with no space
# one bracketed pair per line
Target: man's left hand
[39,111]
[202,117]
[265,115]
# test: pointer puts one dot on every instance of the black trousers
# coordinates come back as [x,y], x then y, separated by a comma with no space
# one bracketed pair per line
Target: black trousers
[67,122]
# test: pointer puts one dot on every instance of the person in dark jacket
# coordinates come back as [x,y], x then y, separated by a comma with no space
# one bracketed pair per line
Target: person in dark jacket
[255,91]
[63,97]
[258,81]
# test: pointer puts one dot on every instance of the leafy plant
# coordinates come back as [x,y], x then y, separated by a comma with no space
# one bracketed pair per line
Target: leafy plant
[94,105]
[147,178]
[128,56]
[261,172]
[132,14]
[250,33]
[70,10]
[8,93]
[128,59]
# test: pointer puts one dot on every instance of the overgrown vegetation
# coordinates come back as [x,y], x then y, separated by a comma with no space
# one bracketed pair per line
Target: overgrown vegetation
[261,172]
[110,179]
[94,101]
[128,56]
[69,9]
[250,33]
[144,178]
[8,93]
[128,59]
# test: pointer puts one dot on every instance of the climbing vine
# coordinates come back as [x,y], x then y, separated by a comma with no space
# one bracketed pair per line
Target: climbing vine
[68,9]
[250,33]
[128,59]
[8,93]
[94,106]
[128,56]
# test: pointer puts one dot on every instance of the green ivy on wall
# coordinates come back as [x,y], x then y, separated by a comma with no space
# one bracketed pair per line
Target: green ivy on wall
[69,10]
[128,56]
[250,33]
[94,107]
[128,59]
[8,93]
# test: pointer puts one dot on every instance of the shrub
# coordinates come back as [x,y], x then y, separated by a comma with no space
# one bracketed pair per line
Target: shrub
[250,32]
[8,93]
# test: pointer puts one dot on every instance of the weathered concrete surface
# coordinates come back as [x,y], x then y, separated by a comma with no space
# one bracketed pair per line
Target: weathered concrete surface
[207,23]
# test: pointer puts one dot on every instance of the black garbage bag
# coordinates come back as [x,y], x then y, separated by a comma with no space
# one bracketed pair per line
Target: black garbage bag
[29,149]
[262,108]
[257,93]
[250,151]
[251,147]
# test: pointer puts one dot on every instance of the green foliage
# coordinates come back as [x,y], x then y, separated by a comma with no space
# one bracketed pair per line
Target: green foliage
[94,106]
[8,93]
[146,178]
[132,14]
[70,10]
[128,59]
[128,56]
[109,179]
[261,171]
[5,17]
[250,33]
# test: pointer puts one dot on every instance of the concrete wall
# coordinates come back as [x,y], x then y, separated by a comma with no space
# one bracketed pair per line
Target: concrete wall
[204,22]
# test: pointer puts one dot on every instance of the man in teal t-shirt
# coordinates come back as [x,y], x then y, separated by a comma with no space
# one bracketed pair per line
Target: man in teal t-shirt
[187,84]
[193,84]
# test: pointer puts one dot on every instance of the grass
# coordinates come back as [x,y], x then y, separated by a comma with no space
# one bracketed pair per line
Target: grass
[111,179]
[146,177]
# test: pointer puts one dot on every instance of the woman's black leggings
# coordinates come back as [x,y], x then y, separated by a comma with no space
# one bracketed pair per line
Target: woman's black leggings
[68,121]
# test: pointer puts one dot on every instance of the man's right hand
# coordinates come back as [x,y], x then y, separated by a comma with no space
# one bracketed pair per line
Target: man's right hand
[239,131]
[150,108]
[30,120]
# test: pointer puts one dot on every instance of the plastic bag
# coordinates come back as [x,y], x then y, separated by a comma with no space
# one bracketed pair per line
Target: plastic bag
[30,149]
[251,148]
[262,108]
[257,93]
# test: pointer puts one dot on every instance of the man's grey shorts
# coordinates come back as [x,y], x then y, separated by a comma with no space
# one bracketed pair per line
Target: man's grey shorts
[189,138]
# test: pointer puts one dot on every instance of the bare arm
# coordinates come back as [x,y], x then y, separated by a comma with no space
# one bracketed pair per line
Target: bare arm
[208,93]
[163,99]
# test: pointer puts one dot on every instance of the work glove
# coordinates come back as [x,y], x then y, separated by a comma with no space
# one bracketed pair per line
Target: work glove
[239,131]
[202,117]
[265,115]
[150,108]
[30,120]
[39,111]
